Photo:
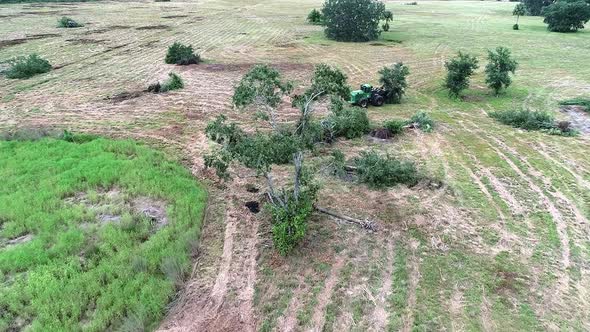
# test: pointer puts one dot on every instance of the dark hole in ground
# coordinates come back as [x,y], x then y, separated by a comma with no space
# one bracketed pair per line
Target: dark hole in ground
[397,41]
[253,206]
[382,133]
[153,27]
[251,188]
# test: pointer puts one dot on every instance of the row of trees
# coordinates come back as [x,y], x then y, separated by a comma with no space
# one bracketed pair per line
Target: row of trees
[461,68]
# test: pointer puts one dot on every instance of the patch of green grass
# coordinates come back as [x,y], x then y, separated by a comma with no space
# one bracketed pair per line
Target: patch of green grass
[399,292]
[74,270]
[584,102]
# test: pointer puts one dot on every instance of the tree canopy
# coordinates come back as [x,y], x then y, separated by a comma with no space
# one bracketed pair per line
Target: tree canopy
[352,20]
[567,15]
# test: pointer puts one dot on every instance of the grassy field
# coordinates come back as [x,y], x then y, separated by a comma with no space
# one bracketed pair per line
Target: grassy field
[93,236]
[501,246]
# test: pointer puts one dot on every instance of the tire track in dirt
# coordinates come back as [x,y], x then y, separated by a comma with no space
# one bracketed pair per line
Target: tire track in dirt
[288,322]
[325,295]
[414,279]
[380,314]
[560,223]
[581,181]
[456,309]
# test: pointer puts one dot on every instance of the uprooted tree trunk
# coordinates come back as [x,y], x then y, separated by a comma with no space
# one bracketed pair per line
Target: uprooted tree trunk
[366,224]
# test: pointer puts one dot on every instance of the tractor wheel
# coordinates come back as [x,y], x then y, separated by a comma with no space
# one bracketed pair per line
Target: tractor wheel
[364,103]
[378,101]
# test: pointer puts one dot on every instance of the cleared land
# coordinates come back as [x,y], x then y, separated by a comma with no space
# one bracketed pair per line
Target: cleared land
[502,245]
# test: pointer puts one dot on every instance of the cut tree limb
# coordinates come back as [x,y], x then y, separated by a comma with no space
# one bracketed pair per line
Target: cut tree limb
[366,224]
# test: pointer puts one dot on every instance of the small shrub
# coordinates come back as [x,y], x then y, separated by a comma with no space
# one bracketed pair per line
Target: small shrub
[315,17]
[395,127]
[422,121]
[66,22]
[384,171]
[351,122]
[515,27]
[498,69]
[289,222]
[459,69]
[180,54]
[174,82]
[394,81]
[413,3]
[26,67]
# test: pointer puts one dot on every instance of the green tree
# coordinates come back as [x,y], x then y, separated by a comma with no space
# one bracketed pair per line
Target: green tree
[352,20]
[498,69]
[518,11]
[315,17]
[261,91]
[387,16]
[459,69]
[535,7]
[567,16]
[394,81]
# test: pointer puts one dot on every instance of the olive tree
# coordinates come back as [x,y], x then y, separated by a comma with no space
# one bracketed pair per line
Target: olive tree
[567,15]
[498,69]
[352,20]
[394,81]
[459,70]
[261,91]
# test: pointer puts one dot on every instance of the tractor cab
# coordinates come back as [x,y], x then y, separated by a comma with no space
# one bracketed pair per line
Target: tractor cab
[366,95]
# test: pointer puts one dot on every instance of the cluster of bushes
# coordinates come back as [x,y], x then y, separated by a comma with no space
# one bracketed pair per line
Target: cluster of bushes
[534,120]
[66,22]
[461,68]
[179,54]
[174,82]
[26,67]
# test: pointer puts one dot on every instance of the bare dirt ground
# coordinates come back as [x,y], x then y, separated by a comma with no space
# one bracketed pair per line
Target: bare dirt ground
[502,245]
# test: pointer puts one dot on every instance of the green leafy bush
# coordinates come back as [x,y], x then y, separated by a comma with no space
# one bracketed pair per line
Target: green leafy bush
[174,82]
[25,67]
[351,122]
[395,127]
[423,121]
[315,17]
[459,70]
[394,81]
[535,7]
[352,20]
[566,16]
[498,69]
[384,171]
[180,54]
[66,22]
[289,222]
[534,120]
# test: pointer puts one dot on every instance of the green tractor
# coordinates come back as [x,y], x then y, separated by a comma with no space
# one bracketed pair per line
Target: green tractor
[368,95]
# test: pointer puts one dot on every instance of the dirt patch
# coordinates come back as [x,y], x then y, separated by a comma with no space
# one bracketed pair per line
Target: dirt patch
[578,118]
[126,95]
[154,27]
[84,41]
[19,240]
[174,16]
[253,206]
[107,29]
[153,209]
[12,42]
